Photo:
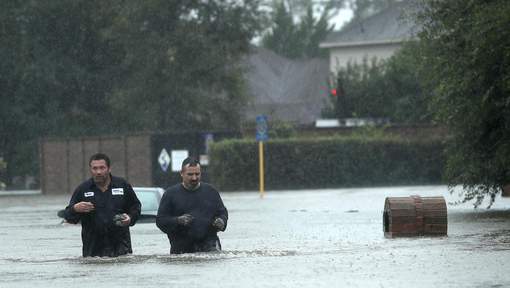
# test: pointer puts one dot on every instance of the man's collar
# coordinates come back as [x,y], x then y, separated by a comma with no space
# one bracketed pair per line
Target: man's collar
[191,189]
[93,183]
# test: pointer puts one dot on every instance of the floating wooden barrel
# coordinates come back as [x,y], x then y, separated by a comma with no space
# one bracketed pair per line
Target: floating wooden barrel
[415,216]
[506,191]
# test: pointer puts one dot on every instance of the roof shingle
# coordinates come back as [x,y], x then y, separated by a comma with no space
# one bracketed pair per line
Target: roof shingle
[389,25]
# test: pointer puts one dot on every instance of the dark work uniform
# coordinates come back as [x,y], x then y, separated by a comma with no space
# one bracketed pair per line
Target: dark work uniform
[204,204]
[100,236]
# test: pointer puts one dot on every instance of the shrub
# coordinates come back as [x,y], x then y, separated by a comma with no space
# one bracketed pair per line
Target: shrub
[327,163]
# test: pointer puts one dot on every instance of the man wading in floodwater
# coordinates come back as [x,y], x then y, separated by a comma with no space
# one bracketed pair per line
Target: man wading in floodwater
[106,206]
[191,213]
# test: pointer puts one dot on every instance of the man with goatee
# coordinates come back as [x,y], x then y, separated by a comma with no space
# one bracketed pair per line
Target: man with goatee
[106,206]
[192,213]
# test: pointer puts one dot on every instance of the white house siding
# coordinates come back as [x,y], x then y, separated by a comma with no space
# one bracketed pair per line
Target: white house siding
[340,56]
[379,35]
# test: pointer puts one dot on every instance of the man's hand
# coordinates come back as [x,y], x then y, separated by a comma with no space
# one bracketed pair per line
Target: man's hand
[122,219]
[185,219]
[219,224]
[83,207]
[126,220]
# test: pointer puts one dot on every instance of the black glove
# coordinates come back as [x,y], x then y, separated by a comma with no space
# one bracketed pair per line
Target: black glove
[219,224]
[117,219]
[185,219]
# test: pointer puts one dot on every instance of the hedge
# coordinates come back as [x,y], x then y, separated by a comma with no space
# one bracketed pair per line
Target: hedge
[326,163]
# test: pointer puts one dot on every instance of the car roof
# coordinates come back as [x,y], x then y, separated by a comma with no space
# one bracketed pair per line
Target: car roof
[148,189]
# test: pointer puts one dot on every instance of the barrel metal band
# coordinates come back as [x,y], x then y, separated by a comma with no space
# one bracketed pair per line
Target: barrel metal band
[418,206]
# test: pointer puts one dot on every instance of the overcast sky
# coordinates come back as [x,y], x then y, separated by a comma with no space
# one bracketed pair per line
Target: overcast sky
[344,15]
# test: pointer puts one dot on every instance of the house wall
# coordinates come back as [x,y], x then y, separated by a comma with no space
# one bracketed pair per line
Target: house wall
[340,56]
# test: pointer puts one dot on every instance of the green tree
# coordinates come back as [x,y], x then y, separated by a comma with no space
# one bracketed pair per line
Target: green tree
[388,88]
[467,58]
[182,66]
[54,76]
[72,66]
[3,166]
[17,113]
[76,67]
[281,38]
[298,39]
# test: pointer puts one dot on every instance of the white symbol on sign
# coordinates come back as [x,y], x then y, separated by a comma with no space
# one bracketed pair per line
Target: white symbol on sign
[164,160]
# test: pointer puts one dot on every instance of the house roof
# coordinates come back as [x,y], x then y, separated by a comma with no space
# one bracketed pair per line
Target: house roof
[286,89]
[388,26]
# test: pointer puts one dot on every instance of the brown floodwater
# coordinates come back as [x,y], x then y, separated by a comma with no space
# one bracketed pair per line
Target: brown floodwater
[306,238]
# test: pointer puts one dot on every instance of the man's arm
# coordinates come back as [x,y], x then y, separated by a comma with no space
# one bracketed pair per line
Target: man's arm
[221,213]
[165,221]
[134,207]
[70,214]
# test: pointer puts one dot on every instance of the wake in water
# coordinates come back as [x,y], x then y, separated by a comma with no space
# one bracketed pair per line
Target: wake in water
[184,258]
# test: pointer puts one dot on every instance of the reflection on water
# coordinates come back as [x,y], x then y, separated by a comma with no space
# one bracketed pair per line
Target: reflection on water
[326,238]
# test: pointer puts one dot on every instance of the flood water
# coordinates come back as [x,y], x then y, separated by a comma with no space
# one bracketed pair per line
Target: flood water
[308,238]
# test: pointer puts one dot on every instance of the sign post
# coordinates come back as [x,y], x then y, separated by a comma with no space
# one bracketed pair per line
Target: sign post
[261,137]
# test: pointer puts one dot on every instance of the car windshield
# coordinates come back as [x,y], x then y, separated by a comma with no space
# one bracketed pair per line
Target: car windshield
[148,199]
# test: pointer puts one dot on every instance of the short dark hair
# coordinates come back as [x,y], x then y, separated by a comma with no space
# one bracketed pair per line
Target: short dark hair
[100,156]
[191,161]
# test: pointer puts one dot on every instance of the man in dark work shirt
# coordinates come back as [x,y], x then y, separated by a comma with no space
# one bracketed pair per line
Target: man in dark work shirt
[106,206]
[191,213]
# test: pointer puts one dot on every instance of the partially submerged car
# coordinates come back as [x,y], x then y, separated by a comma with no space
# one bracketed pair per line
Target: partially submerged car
[149,198]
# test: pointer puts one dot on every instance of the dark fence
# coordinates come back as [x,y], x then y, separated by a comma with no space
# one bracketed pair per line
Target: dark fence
[64,162]
[140,159]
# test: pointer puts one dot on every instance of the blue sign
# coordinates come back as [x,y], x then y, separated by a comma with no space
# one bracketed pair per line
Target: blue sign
[261,133]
